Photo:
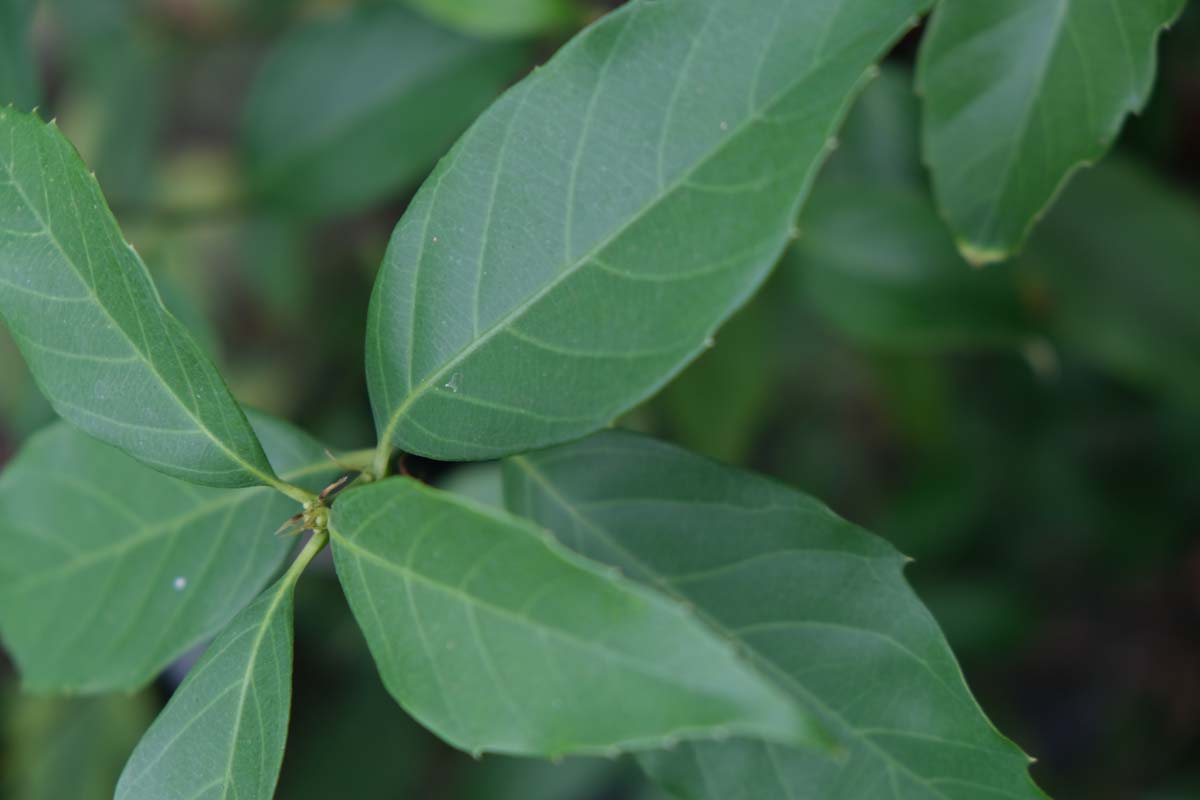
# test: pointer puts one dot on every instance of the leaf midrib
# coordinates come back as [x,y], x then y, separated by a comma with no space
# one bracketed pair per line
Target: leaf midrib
[231,498]
[408,573]
[150,366]
[760,658]
[735,132]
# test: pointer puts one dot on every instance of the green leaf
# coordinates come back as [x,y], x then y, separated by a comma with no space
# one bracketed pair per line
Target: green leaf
[89,322]
[905,286]
[1118,264]
[818,605]
[111,570]
[18,81]
[393,92]
[589,233]
[501,17]
[498,639]
[1018,94]
[70,747]
[222,733]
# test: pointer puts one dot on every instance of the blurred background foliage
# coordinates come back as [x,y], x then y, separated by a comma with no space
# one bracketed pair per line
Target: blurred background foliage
[1029,433]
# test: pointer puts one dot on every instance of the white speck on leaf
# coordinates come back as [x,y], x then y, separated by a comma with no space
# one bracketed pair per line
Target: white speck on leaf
[452,384]
[179,584]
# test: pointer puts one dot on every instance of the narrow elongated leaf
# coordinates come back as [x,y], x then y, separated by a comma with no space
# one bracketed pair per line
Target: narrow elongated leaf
[498,639]
[394,91]
[18,82]
[110,570]
[1019,93]
[584,239]
[817,604]
[222,733]
[500,17]
[82,308]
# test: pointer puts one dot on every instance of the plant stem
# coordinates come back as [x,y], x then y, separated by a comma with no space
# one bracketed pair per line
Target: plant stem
[301,496]
[315,545]
[382,455]
[358,460]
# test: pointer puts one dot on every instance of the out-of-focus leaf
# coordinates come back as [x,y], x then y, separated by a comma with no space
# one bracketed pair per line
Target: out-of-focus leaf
[110,570]
[354,106]
[820,606]
[70,748]
[222,733]
[18,78]
[480,482]
[716,406]
[880,142]
[584,239]
[119,105]
[499,639]
[342,715]
[506,778]
[88,320]
[1018,93]
[23,409]
[1119,265]
[878,264]
[501,17]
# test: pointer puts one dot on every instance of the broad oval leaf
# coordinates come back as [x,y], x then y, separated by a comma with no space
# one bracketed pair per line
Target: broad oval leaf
[223,731]
[585,238]
[394,91]
[110,570]
[501,17]
[819,605]
[498,639]
[89,322]
[1018,94]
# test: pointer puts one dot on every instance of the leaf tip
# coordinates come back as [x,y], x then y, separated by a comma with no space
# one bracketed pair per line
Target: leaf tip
[980,257]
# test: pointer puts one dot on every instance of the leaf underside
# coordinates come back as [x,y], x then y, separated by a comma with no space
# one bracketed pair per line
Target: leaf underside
[223,732]
[110,570]
[499,639]
[1018,94]
[87,318]
[817,604]
[394,92]
[587,235]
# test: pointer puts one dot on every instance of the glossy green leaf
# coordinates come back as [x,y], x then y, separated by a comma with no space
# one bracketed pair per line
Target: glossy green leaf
[500,640]
[1117,263]
[1018,94]
[110,570]
[393,90]
[585,238]
[500,17]
[73,748]
[223,731]
[818,605]
[82,308]
[18,80]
